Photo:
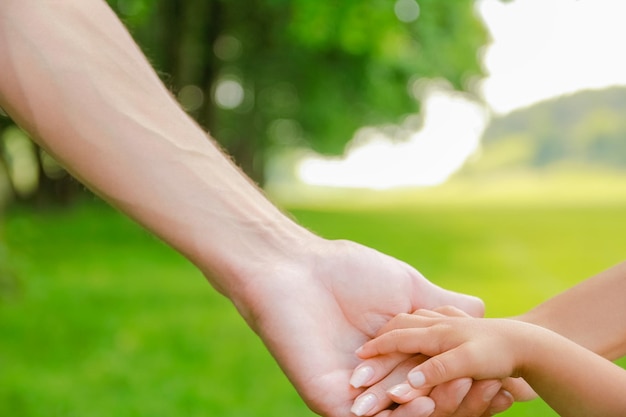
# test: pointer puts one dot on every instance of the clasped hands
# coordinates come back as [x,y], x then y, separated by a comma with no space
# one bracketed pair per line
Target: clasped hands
[460,397]
[314,309]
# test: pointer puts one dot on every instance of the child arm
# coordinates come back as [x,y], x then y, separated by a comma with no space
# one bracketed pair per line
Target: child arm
[570,378]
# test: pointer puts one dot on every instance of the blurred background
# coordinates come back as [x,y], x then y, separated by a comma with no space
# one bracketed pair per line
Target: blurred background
[483,142]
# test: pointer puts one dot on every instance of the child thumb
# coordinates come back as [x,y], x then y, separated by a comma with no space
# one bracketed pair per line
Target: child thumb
[437,370]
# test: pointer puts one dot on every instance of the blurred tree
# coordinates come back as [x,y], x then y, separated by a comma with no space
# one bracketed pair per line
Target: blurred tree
[265,74]
[600,137]
[261,75]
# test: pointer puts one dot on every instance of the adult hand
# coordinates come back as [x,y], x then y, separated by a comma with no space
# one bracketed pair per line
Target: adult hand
[458,398]
[314,309]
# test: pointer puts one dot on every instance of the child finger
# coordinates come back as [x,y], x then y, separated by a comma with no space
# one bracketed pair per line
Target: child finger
[451,311]
[412,340]
[402,321]
[434,313]
[441,368]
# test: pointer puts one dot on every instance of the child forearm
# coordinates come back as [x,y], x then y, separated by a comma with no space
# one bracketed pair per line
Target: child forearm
[572,380]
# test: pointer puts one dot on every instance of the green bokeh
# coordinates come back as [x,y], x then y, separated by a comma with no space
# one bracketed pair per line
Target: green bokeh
[107,321]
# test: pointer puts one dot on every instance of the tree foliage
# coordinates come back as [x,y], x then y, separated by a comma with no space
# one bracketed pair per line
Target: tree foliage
[312,72]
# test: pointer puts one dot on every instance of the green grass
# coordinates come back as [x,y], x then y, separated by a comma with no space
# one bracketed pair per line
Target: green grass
[101,319]
[107,321]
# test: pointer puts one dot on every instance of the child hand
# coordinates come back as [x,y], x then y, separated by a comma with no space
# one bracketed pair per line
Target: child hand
[458,346]
[375,369]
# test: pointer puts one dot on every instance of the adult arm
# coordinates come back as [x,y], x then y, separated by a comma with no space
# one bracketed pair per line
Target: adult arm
[591,313]
[75,80]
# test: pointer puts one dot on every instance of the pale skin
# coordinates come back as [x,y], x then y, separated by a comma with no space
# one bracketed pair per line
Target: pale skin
[75,80]
[572,379]
[422,402]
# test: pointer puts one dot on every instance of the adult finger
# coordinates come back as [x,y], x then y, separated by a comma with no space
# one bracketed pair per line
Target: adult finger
[375,369]
[420,407]
[473,401]
[461,398]
[519,388]
[449,396]
[452,393]
[501,402]
[513,389]
[375,398]
[403,393]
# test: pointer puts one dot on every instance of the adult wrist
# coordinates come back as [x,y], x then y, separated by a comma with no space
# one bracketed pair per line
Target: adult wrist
[249,264]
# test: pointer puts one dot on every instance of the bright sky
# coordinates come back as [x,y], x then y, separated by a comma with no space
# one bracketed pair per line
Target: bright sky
[375,161]
[540,49]
[544,48]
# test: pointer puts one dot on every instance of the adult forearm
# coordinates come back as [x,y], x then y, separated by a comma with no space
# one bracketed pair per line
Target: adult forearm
[591,314]
[73,77]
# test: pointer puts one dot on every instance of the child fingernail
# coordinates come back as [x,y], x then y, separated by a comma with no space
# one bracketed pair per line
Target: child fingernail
[417,379]
[363,404]
[361,375]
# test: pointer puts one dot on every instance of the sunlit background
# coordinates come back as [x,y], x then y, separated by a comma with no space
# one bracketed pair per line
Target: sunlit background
[538,50]
[482,142]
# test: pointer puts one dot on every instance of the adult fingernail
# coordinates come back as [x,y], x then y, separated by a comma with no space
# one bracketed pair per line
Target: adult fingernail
[505,394]
[417,379]
[363,404]
[399,390]
[426,409]
[491,392]
[501,402]
[361,375]
[508,395]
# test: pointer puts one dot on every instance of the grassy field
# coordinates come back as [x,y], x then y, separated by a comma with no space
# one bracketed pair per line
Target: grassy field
[97,318]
